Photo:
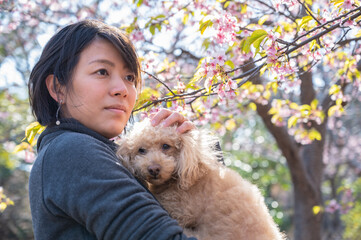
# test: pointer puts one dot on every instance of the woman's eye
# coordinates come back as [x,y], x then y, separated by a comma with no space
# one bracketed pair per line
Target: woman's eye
[130,78]
[102,72]
[165,146]
[142,151]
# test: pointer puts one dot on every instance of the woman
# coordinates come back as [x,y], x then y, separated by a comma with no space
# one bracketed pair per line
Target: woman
[84,88]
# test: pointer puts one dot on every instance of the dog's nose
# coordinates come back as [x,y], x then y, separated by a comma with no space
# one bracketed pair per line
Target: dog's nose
[154,169]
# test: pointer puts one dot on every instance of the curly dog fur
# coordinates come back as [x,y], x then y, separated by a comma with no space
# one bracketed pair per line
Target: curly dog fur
[209,200]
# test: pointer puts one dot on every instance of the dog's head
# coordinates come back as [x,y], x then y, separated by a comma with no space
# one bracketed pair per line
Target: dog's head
[158,154]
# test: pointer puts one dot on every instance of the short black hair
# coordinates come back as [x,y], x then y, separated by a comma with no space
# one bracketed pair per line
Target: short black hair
[60,56]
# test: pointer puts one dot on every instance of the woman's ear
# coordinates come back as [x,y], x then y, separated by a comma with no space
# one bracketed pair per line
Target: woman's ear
[55,90]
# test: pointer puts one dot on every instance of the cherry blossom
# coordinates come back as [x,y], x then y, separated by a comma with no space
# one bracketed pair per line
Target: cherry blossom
[347,4]
[226,27]
[333,206]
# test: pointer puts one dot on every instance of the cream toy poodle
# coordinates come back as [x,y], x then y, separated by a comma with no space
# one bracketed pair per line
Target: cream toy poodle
[209,200]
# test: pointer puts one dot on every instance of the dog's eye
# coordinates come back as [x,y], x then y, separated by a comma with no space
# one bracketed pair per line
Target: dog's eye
[142,151]
[165,146]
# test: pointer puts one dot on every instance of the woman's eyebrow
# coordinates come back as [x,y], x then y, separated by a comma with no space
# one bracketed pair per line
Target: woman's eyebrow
[102,61]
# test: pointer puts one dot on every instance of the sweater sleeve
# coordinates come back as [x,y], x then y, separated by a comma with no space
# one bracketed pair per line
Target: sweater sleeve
[83,180]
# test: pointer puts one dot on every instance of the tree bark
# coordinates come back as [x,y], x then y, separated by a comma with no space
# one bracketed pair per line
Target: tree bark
[305,166]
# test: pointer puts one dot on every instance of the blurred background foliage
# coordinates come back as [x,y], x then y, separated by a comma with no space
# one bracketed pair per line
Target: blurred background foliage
[249,147]
[15,219]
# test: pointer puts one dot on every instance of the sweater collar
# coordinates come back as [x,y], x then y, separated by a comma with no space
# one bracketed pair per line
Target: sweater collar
[72,125]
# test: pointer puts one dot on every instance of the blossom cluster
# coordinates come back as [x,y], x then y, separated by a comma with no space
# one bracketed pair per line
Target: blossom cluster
[226,27]
[300,119]
[343,205]
[4,200]
[254,93]
[212,70]
[289,4]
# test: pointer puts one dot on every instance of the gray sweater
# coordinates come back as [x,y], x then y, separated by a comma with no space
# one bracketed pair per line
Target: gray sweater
[79,190]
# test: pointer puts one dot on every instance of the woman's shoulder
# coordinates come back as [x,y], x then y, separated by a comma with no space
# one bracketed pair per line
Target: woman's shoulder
[77,153]
[76,141]
[74,148]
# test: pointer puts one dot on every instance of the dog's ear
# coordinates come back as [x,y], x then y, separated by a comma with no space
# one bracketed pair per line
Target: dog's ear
[189,165]
[124,153]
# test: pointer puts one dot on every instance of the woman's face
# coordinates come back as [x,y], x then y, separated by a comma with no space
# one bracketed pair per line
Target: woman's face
[103,90]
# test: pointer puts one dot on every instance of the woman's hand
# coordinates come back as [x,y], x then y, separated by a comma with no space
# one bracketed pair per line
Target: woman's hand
[167,118]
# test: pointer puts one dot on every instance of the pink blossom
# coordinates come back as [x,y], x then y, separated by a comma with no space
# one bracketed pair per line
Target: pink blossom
[137,36]
[220,91]
[271,52]
[347,23]
[273,36]
[29,157]
[226,27]
[4,115]
[291,4]
[220,59]
[333,206]
[317,55]
[347,4]
[221,37]
[208,82]
[180,87]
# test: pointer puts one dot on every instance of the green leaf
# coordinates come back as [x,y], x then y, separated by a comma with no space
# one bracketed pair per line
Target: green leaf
[339,102]
[303,21]
[305,107]
[204,25]
[229,63]
[252,106]
[246,45]
[316,210]
[256,38]
[185,18]
[22,146]
[315,135]
[206,43]
[139,2]
[332,110]
[152,29]
[314,104]
[257,43]
[241,44]
[278,29]
[159,16]
[263,19]
[358,34]
[292,121]
[334,89]
[294,106]
[263,69]
[32,130]
[272,111]
[256,35]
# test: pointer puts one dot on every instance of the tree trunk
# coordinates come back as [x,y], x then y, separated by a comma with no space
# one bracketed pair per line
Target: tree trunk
[307,192]
[305,164]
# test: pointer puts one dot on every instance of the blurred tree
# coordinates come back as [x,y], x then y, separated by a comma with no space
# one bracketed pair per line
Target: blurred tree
[15,222]
[294,63]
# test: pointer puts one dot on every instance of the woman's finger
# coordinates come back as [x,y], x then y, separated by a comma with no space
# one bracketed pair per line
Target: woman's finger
[185,127]
[168,118]
[160,116]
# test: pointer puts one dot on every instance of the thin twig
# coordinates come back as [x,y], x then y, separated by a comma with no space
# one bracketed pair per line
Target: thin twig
[310,13]
[160,81]
[330,29]
[326,31]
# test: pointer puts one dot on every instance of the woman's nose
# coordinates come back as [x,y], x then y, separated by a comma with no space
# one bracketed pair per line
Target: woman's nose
[119,88]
